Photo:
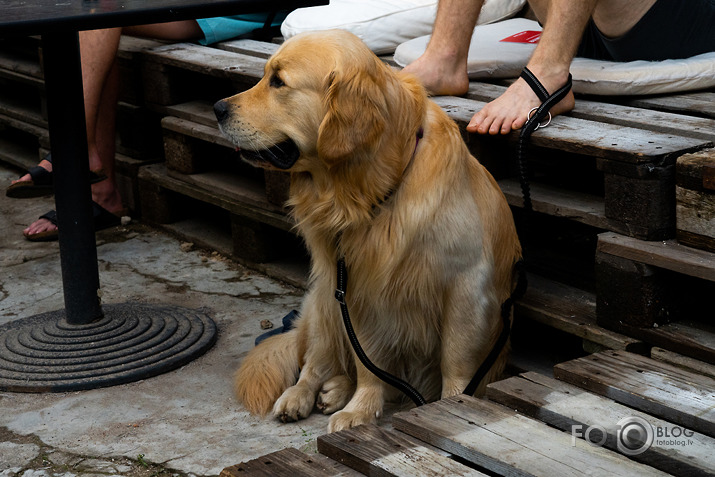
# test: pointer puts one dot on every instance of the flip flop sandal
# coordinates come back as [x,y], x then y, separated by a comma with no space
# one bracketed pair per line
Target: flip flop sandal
[103,219]
[42,182]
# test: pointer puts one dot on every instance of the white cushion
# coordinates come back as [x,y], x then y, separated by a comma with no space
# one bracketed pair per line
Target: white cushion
[643,77]
[384,24]
[489,57]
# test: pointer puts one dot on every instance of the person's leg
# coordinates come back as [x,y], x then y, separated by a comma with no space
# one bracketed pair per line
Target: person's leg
[564,23]
[174,31]
[98,49]
[443,66]
[100,77]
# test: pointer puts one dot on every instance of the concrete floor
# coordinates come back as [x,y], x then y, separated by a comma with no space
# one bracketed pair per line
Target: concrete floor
[185,422]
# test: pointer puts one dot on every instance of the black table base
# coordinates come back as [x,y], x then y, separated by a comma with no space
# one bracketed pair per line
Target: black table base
[87,345]
[44,353]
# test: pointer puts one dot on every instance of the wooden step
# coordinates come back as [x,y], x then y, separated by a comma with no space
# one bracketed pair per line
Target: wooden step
[695,199]
[683,121]
[570,310]
[371,450]
[658,292]
[587,415]
[500,440]
[676,395]
[699,103]
[289,463]
[685,362]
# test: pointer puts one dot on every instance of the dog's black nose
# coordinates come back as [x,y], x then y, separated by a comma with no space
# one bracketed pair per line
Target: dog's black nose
[221,110]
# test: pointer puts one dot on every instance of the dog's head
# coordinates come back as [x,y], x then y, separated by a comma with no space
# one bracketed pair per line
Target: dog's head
[324,98]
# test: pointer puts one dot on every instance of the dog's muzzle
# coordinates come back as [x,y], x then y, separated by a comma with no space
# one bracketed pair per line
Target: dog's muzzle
[283,155]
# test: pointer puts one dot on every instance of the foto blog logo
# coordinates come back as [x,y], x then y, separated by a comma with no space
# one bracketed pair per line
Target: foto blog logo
[633,435]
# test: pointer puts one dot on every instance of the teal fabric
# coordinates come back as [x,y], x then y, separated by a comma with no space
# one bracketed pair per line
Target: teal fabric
[224,28]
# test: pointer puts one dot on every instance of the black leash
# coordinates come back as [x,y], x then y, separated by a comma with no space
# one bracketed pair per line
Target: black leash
[533,123]
[394,381]
[404,387]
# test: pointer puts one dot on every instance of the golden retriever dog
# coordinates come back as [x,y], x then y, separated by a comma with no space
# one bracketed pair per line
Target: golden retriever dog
[381,177]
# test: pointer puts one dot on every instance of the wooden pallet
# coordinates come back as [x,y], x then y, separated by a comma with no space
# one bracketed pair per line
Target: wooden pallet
[659,292]
[533,425]
[695,200]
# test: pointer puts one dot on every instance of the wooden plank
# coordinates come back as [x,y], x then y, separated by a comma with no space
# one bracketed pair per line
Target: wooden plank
[199,112]
[634,117]
[571,310]
[228,191]
[685,362]
[574,410]
[197,131]
[691,338]
[697,104]
[667,254]
[371,450]
[21,68]
[695,218]
[506,443]
[211,61]
[584,208]
[596,139]
[259,49]
[289,463]
[679,396]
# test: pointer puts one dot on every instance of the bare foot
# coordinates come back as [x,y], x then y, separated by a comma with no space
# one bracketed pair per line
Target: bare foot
[509,111]
[45,164]
[440,78]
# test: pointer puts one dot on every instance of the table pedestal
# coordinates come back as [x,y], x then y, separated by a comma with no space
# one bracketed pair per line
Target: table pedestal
[88,345]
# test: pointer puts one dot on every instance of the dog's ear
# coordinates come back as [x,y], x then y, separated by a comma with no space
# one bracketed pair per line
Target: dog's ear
[356,113]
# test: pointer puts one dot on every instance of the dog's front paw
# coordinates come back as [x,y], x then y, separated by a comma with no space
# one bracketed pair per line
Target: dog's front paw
[347,419]
[335,394]
[295,403]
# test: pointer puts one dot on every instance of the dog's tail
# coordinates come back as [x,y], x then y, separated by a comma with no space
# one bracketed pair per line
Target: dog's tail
[269,369]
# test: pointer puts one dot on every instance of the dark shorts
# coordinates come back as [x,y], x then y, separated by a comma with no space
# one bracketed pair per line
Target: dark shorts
[671,29]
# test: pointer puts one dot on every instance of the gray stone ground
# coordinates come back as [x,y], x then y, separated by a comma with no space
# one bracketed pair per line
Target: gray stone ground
[185,422]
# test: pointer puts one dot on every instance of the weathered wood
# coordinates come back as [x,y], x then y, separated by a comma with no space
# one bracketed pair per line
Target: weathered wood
[371,450]
[640,198]
[229,191]
[500,440]
[12,107]
[21,68]
[657,388]
[695,339]
[574,410]
[571,310]
[580,207]
[695,199]
[579,136]
[696,104]
[164,63]
[685,362]
[695,218]
[682,124]
[289,463]
[259,49]
[667,254]
[632,293]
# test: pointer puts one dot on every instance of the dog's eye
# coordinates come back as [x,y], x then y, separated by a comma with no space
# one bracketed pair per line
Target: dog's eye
[276,81]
